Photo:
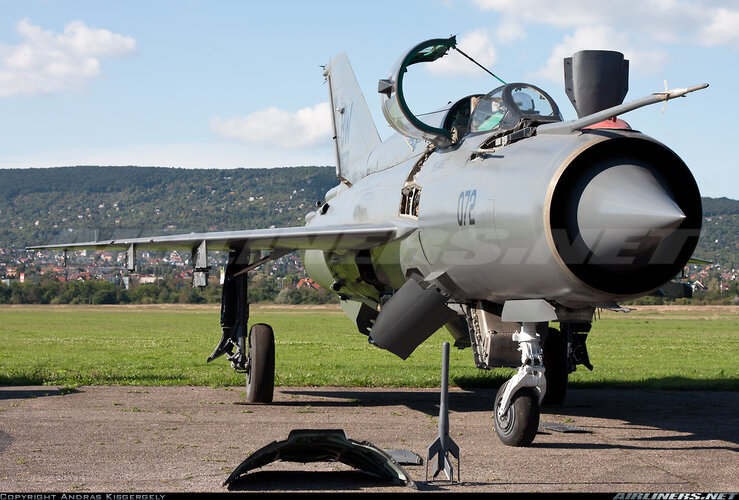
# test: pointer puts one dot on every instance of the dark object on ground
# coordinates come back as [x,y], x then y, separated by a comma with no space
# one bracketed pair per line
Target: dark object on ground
[304,445]
[405,457]
[444,445]
[558,427]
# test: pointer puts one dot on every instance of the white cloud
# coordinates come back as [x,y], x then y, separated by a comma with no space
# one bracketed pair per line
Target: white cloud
[563,13]
[647,60]
[663,21]
[510,31]
[277,127]
[660,15]
[46,62]
[641,30]
[477,45]
[722,28]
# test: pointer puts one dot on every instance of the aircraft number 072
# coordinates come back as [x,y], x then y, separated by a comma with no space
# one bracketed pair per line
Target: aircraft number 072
[465,205]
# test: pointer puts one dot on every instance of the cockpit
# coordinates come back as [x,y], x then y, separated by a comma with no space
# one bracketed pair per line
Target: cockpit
[507,108]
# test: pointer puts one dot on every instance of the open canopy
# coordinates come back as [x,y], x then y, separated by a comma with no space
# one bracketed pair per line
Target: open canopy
[394,105]
[505,108]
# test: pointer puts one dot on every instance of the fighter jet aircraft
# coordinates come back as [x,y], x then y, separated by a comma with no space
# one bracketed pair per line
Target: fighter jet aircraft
[491,217]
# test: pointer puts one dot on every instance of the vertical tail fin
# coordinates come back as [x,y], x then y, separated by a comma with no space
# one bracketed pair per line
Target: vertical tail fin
[354,130]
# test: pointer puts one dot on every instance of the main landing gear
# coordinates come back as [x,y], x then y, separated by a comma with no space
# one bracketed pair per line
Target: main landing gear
[260,373]
[564,349]
[252,354]
[556,366]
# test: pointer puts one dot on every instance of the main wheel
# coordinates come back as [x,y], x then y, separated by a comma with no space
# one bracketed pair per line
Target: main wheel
[555,363]
[517,426]
[260,376]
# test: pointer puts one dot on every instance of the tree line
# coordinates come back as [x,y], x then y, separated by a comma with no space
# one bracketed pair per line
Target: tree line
[262,290]
[168,291]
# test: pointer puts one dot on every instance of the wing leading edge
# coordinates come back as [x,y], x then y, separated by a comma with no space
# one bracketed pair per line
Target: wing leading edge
[330,238]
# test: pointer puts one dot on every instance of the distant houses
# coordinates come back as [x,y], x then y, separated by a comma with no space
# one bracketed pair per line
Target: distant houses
[308,283]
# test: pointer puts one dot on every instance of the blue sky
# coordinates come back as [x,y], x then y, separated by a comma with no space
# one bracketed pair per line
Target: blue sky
[238,83]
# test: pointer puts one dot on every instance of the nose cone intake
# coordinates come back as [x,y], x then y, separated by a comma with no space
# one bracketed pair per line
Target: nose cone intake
[624,212]
[625,216]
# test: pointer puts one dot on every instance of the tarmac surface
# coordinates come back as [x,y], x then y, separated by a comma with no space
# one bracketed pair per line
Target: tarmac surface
[167,439]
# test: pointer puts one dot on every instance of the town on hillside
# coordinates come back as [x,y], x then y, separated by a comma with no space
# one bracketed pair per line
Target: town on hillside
[67,204]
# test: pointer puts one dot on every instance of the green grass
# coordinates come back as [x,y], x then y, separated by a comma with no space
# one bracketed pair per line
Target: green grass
[78,345]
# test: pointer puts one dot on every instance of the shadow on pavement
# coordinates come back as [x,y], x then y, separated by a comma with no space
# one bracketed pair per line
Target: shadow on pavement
[7,393]
[424,402]
[5,441]
[700,416]
[352,480]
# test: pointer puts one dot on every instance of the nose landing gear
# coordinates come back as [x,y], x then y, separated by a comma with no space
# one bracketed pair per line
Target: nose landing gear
[517,426]
[516,410]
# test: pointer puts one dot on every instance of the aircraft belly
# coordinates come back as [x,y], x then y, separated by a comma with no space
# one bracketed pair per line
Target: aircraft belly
[362,276]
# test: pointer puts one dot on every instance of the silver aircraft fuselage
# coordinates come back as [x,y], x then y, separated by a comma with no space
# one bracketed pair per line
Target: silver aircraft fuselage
[485,219]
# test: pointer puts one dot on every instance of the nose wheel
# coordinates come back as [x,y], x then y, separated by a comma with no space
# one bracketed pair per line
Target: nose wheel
[260,364]
[517,426]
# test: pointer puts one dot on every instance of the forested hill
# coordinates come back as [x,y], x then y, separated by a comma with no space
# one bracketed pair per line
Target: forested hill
[719,240]
[36,205]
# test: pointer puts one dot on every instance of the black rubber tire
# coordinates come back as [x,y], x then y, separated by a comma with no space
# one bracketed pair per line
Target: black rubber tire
[555,362]
[260,379]
[519,424]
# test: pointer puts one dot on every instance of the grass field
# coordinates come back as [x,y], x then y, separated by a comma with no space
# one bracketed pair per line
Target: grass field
[653,347]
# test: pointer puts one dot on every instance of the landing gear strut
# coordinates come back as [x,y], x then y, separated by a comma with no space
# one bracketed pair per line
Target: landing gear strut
[564,349]
[254,354]
[516,409]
